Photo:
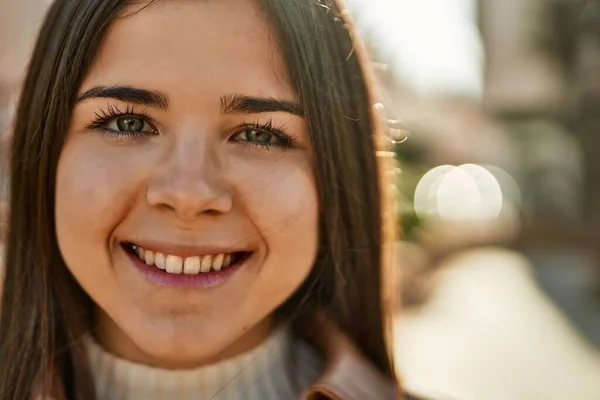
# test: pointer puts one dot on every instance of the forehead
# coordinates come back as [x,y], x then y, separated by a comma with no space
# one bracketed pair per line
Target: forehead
[192,47]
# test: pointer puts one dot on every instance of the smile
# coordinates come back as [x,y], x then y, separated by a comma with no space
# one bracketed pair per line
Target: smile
[186,265]
[201,270]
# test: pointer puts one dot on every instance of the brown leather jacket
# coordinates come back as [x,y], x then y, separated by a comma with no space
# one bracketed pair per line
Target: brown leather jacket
[348,375]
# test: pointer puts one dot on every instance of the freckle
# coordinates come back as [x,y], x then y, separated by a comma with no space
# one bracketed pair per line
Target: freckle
[244,328]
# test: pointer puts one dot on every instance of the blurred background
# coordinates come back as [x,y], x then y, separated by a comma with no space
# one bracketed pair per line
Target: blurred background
[493,110]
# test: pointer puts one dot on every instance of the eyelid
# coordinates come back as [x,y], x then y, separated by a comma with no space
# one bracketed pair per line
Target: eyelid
[112,112]
[285,139]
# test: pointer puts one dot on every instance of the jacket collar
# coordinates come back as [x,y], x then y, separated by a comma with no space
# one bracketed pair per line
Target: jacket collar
[347,375]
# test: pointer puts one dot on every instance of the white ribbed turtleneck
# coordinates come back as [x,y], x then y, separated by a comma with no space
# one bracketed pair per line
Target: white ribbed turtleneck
[260,374]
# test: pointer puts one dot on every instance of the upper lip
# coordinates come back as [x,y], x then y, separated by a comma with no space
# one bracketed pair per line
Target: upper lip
[184,250]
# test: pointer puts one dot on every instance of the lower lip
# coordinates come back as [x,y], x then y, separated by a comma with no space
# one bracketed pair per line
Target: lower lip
[200,280]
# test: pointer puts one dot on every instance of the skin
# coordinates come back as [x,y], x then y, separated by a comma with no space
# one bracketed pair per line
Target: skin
[192,183]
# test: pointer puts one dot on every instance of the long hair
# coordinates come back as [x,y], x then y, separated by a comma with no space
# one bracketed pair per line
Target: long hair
[44,311]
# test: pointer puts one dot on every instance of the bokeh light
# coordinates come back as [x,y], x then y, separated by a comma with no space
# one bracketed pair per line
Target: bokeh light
[463,193]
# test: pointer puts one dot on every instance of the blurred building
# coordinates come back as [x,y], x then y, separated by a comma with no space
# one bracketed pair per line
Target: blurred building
[480,320]
[542,80]
[19,23]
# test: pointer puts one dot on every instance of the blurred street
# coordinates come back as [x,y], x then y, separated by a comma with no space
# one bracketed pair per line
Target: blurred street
[490,332]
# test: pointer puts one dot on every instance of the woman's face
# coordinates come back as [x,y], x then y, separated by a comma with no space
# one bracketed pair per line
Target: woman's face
[186,204]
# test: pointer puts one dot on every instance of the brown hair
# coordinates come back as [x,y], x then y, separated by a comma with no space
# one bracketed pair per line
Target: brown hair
[44,311]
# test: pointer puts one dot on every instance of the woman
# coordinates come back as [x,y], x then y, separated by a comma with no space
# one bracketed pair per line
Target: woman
[196,207]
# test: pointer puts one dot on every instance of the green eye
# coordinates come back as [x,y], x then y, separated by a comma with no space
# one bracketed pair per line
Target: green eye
[264,136]
[123,125]
[128,124]
[259,136]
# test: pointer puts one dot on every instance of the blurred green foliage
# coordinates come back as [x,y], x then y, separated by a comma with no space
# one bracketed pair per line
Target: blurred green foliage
[411,165]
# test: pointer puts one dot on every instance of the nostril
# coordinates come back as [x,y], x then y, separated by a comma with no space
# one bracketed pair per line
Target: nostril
[191,197]
[165,207]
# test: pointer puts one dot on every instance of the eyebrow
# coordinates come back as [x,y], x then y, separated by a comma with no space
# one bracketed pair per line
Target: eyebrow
[151,98]
[230,104]
[237,103]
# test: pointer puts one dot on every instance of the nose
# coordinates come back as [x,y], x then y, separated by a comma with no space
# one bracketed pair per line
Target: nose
[190,184]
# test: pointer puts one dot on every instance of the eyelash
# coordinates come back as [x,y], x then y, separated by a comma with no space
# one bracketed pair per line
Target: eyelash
[286,141]
[103,118]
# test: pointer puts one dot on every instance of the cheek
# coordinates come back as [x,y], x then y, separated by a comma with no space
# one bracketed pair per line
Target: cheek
[91,197]
[281,200]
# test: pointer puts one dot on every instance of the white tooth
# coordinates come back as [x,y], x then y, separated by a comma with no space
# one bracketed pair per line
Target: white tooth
[174,265]
[149,257]
[206,263]
[227,260]
[218,262]
[191,265]
[140,253]
[159,260]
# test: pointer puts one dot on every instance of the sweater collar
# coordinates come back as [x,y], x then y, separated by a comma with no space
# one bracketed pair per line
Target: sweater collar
[261,373]
[347,375]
